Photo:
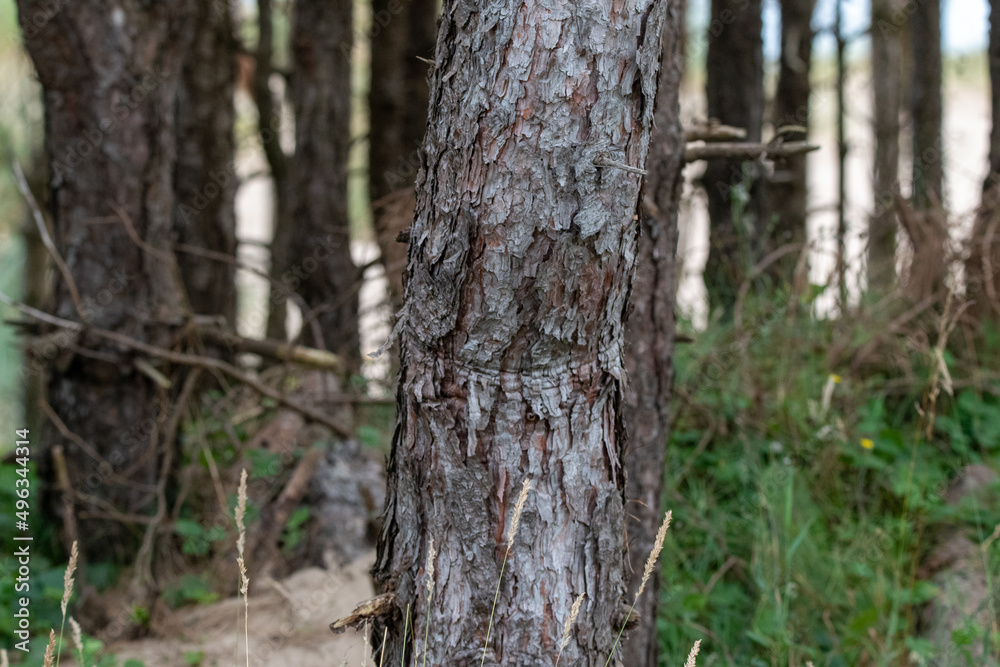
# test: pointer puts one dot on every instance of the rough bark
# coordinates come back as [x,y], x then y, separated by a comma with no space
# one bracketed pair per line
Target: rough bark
[982,269]
[788,193]
[886,68]
[321,269]
[109,76]
[521,256]
[649,347]
[403,32]
[925,105]
[735,91]
[204,175]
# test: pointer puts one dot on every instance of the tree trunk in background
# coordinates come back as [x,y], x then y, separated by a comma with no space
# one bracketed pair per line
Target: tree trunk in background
[205,175]
[982,270]
[110,79]
[925,105]
[788,194]
[404,31]
[320,267]
[735,91]
[649,349]
[512,334]
[270,127]
[886,68]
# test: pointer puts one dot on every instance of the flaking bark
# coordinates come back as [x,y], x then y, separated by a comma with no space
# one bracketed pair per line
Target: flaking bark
[521,258]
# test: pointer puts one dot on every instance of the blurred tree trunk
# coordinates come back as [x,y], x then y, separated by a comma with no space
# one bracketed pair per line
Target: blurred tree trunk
[269,126]
[521,258]
[925,105]
[110,77]
[205,175]
[735,91]
[404,32]
[886,69]
[789,194]
[320,267]
[982,270]
[649,349]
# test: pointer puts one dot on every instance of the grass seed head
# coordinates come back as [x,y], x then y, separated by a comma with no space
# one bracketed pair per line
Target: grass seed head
[518,509]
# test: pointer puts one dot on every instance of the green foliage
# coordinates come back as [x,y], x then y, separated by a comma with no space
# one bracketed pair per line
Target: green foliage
[295,529]
[804,490]
[198,539]
[191,588]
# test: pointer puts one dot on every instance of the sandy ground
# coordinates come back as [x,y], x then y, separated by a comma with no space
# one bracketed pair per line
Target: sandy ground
[289,624]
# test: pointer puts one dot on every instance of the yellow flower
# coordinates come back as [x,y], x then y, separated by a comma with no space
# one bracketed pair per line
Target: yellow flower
[835,378]
[867,443]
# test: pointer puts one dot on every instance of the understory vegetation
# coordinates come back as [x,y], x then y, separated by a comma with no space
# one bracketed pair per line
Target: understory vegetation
[807,470]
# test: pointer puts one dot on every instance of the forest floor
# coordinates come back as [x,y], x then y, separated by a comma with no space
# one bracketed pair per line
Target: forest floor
[289,624]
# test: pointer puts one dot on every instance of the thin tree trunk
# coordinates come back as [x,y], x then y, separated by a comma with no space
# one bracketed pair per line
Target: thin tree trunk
[789,194]
[321,268]
[735,90]
[521,257]
[925,106]
[982,269]
[403,33]
[649,350]
[841,160]
[270,127]
[109,77]
[204,176]
[886,68]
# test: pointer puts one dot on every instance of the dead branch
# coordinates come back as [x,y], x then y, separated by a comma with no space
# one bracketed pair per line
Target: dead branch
[207,363]
[43,231]
[746,151]
[266,543]
[713,130]
[273,349]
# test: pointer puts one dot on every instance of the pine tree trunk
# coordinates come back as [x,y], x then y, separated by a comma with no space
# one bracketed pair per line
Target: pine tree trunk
[521,258]
[982,269]
[925,105]
[205,175]
[320,267]
[110,77]
[402,34]
[886,69]
[735,90]
[649,347]
[789,193]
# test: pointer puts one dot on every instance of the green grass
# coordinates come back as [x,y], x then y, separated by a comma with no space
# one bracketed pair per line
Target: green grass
[795,541]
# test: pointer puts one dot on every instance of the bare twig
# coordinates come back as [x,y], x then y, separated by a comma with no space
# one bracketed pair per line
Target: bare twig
[43,231]
[181,358]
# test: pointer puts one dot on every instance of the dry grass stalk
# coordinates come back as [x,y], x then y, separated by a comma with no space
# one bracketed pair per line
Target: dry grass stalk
[515,522]
[50,650]
[241,510]
[385,635]
[570,620]
[4,660]
[693,654]
[74,555]
[77,633]
[429,576]
[654,555]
